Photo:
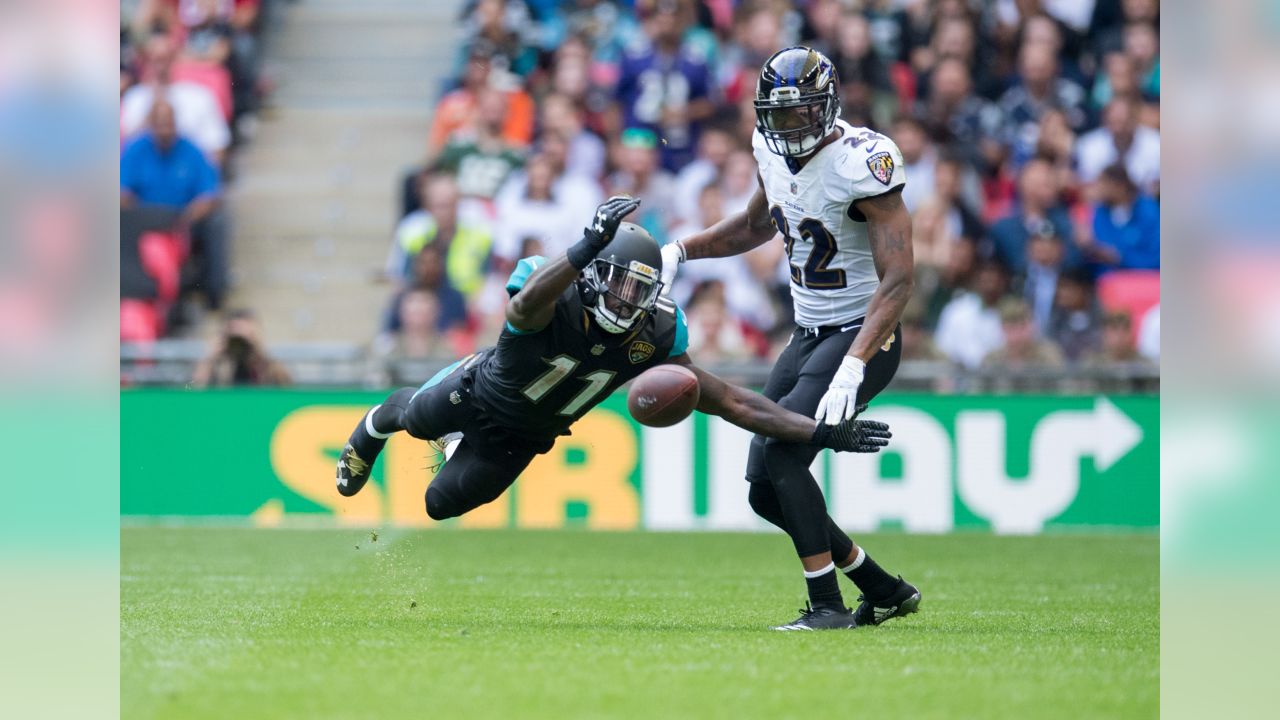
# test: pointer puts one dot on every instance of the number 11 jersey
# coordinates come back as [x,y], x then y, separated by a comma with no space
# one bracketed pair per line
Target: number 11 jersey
[832,273]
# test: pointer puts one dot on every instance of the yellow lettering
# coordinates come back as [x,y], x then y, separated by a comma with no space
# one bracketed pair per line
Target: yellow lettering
[408,462]
[608,443]
[298,458]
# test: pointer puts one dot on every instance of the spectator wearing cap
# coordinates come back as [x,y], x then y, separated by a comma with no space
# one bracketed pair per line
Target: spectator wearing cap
[969,327]
[196,111]
[1116,346]
[466,243]
[640,175]
[1039,88]
[1126,225]
[664,84]
[457,109]
[1022,347]
[1121,139]
[162,168]
[480,158]
[1039,211]
[1075,318]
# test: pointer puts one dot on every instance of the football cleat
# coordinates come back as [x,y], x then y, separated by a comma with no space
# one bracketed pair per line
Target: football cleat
[821,618]
[353,471]
[904,600]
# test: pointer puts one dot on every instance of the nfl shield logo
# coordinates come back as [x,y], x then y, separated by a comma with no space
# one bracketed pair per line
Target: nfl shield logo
[794,188]
[640,351]
[881,167]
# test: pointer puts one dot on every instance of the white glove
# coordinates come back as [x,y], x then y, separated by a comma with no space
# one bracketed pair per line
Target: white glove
[672,256]
[840,403]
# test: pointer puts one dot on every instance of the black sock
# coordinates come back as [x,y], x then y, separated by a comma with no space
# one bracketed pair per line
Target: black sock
[386,420]
[871,579]
[824,590]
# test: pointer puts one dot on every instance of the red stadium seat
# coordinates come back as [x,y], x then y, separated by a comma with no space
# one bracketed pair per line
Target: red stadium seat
[139,321]
[162,255]
[214,77]
[1130,291]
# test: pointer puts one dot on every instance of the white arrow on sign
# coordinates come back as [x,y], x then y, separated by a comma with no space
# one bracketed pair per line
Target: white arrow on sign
[1053,478]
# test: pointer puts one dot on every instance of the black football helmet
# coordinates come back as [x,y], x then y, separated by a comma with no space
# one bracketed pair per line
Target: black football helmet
[620,287]
[797,100]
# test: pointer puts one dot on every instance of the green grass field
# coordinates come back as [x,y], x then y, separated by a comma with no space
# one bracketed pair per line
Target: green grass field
[241,623]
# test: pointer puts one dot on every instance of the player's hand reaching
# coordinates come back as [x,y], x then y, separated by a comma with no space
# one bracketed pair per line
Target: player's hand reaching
[840,403]
[860,436]
[672,256]
[602,228]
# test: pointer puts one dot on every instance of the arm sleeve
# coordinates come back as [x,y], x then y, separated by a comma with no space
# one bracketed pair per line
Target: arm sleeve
[681,345]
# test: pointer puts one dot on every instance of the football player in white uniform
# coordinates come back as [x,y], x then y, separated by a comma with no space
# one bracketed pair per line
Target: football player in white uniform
[833,191]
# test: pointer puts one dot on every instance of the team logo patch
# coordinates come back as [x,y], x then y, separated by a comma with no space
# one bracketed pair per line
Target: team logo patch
[597,350]
[881,166]
[640,351]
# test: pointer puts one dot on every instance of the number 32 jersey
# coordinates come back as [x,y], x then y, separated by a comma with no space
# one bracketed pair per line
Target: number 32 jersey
[832,273]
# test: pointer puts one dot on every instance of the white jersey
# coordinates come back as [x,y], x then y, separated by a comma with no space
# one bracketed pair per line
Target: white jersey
[832,274]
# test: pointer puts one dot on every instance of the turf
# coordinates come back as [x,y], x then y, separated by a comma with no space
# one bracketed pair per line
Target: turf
[241,623]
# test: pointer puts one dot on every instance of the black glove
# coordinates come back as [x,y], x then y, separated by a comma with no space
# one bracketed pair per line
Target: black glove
[853,435]
[598,234]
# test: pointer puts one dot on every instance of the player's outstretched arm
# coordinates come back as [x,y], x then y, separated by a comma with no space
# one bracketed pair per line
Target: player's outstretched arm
[757,413]
[733,235]
[889,232]
[534,306]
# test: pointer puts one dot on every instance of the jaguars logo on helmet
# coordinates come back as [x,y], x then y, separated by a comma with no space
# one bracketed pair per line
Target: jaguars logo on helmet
[797,101]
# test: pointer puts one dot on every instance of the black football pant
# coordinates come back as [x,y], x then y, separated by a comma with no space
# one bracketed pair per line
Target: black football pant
[783,491]
[480,469]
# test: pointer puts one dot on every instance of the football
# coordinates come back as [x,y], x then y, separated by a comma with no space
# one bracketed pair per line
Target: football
[663,396]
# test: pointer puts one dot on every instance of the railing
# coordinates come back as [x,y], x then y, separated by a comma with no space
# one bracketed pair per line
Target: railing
[171,363]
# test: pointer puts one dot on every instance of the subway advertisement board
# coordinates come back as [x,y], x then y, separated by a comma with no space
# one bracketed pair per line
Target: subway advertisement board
[1011,464]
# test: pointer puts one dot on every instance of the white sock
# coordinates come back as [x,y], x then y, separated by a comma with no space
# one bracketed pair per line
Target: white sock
[811,574]
[857,562]
[369,428]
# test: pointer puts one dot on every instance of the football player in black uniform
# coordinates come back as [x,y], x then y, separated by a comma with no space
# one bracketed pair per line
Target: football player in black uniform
[578,327]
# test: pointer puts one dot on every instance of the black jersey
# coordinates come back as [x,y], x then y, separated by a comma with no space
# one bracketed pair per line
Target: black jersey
[540,382]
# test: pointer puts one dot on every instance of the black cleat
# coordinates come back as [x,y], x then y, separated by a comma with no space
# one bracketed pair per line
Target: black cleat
[821,618]
[353,472]
[904,600]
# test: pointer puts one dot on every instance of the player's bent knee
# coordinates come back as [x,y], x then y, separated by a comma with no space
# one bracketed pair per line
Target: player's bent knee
[440,506]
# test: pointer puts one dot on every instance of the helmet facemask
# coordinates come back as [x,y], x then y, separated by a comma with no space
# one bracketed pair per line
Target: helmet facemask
[792,124]
[624,294]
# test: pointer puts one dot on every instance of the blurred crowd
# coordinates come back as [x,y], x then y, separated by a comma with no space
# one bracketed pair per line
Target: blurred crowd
[190,83]
[1029,128]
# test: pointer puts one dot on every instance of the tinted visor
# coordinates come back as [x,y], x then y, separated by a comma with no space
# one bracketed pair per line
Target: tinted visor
[626,292]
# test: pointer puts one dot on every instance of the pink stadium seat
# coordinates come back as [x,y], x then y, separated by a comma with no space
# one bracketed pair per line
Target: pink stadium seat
[139,321]
[162,255]
[214,77]
[1131,291]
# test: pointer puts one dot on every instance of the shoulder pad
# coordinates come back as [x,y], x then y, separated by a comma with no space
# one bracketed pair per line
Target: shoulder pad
[869,164]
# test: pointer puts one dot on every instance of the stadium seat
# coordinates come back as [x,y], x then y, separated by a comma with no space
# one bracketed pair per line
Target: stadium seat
[213,77]
[1130,291]
[140,321]
[162,255]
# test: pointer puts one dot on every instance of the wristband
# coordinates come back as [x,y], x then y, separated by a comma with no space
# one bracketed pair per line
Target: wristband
[581,254]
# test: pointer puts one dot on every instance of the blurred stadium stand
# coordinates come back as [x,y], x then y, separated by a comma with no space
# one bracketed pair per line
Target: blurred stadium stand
[394,157]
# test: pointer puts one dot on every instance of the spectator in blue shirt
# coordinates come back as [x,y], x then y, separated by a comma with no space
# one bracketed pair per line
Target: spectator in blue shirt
[665,84]
[162,168]
[1039,212]
[1126,225]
